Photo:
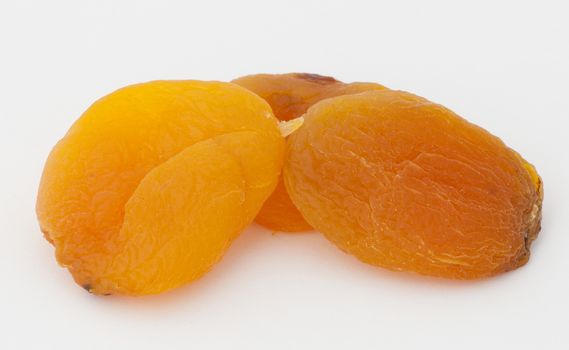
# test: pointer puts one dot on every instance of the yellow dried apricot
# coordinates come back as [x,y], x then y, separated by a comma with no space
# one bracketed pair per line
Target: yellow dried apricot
[290,95]
[406,184]
[149,187]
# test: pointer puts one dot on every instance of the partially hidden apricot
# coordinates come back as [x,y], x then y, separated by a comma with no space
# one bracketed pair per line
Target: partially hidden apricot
[406,184]
[290,95]
[149,187]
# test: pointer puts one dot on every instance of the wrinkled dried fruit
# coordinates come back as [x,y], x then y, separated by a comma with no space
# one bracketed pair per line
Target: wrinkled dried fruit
[290,95]
[150,186]
[404,183]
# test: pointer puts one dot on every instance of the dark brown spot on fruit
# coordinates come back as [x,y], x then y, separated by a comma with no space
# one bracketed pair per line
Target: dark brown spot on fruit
[316,78]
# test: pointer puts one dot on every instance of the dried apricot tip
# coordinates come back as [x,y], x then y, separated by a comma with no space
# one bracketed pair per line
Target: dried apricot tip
[290,126]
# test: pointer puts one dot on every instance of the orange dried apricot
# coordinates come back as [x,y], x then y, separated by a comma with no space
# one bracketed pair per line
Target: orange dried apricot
[290,95]
[406,184]
[149,187]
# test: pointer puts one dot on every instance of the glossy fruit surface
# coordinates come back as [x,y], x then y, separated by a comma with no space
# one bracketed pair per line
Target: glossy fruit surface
[404,183]
[149,187]
[290,95]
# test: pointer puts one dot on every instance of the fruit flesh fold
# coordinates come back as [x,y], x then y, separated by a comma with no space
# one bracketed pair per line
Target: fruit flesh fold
[406,184]
[290,96]
[110,183]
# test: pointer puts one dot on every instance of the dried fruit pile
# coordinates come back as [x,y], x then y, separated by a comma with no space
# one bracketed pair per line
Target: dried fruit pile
[150,186]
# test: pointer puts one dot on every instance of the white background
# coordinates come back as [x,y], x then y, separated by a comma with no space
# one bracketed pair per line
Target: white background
[503,65]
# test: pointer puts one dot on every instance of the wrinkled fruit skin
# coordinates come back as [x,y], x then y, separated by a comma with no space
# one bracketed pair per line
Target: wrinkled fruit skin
[406,184]
[290,96]
[149,187]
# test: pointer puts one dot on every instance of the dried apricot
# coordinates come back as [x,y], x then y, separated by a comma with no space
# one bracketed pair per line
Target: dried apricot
[406,184]
[149,187]
[290,95]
